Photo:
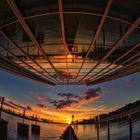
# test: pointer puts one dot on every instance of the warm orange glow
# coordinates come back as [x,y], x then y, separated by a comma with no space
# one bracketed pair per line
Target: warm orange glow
[69,56]
[63,115]
[69,122]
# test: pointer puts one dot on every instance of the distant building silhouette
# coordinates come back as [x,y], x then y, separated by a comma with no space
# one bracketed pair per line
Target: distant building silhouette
[72,119]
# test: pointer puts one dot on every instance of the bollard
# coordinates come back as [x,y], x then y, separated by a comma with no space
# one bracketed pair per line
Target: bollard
[130,127]
[3,129]
[3,123]
[24,115]
[97,125]
[108,130]
[1,107]
[35,129]
[23,130]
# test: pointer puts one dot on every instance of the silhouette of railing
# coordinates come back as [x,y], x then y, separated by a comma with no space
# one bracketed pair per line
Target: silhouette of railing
[124,114]
[128,115]
[19,111]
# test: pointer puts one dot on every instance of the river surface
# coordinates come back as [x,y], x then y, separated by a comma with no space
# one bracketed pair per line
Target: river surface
[119,131]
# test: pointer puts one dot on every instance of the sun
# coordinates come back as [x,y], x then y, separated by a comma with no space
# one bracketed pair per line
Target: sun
[69,56]
[68,122]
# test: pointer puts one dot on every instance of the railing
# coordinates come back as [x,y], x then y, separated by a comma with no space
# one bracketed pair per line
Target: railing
[128,115]
[19,111]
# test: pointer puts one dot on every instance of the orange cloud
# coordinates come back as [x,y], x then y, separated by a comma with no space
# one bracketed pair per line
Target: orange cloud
[71,100]
[64,114]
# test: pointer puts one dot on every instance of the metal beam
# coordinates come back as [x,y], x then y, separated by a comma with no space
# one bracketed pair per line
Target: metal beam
[67,12]
[23,61]
[117,45]
[122,56]
[97,32]
[134,69]
[63,33]
[123,63]
[120,71]
[23,23]
[27,56]
[12,67]
[75,44]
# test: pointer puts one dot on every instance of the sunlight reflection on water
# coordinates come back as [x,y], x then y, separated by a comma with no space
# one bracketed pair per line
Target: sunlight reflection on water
[119,131]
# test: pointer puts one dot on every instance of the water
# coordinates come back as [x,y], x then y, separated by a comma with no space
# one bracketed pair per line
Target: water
[119,131]
[48,131]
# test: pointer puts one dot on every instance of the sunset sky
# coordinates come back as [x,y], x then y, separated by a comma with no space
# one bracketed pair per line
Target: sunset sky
[61,102]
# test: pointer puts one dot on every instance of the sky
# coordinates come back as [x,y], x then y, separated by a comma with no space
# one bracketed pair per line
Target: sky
[59,103]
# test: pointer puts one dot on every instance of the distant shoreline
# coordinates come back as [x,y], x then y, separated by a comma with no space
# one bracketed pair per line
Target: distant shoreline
[28,118]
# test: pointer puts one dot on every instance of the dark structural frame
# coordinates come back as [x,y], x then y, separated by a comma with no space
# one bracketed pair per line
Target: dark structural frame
[103,48]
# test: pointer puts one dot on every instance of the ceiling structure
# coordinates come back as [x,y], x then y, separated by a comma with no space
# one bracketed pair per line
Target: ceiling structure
[70,41]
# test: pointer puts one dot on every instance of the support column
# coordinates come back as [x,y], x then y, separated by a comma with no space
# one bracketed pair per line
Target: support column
[3,123]
[35,128]
[22,128]
[1,107]
[108,129]
[130,127]
[97,126]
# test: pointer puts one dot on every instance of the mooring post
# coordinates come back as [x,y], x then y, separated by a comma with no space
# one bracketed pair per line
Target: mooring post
[97,125]
[3,123]
[36,119]
[130,127]
[108,129]
[24,115]
[1,107]
[22,128]
[35,128]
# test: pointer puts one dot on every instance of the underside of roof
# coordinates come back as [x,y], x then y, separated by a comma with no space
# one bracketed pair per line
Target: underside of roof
[70,41]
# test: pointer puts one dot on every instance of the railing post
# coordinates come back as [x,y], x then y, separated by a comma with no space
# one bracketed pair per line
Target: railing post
[108,129]
[22,128]
[1,107]
[97,125]
[24,115]
[36,119]
[130,127]
[35,129]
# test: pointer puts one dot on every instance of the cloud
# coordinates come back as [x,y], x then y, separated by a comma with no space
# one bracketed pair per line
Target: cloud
[71,100]
[41,105]
[39,97]
[90,95]
[128,83]
[28,108]
[68,95]
[109,91]
[61,104]
[16,105]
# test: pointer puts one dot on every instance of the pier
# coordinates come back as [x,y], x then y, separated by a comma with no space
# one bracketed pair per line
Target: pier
[69,134]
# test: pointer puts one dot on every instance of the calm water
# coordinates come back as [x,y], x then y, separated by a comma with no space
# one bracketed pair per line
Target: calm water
[119,131]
